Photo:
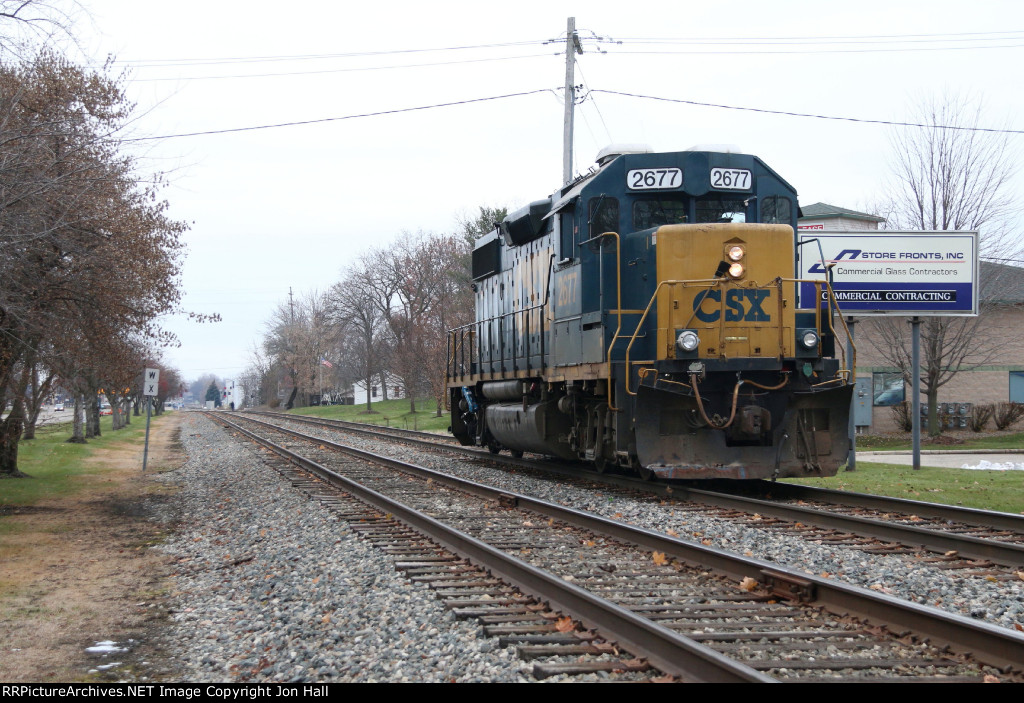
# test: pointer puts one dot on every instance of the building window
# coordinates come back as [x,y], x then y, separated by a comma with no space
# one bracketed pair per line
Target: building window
[373,391]
[1017,386]
[887,388]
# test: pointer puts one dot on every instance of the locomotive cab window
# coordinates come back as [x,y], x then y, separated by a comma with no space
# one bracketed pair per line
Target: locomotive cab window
[656,212]
[721,210]
[604,215]
[776,210]
[567,232]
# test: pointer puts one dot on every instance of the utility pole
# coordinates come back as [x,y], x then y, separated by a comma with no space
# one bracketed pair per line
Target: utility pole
[572,47]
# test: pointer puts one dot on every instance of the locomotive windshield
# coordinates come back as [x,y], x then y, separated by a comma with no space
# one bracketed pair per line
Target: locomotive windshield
[721,210]
[776,211]
[658,212]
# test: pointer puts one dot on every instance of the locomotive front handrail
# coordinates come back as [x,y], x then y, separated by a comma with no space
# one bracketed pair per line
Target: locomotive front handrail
[843,374]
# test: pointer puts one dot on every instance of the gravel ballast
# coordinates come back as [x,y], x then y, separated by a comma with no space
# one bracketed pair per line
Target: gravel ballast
[271,587]
[998,602]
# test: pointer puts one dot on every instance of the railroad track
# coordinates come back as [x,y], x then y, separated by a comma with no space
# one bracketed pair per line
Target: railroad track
[673,605]
[976,543]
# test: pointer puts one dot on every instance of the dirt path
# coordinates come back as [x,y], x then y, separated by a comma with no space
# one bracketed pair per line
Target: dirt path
[77,571]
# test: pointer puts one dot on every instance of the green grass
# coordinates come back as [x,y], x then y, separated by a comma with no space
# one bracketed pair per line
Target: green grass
[988,490]
[389,413]
[56,467]
[980,440]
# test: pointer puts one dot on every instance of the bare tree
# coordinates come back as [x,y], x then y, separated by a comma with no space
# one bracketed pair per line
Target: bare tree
[954,175]
[87,255]
[950,175]
[359,319]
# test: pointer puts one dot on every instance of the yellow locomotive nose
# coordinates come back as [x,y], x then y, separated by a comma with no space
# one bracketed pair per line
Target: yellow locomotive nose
[721,281]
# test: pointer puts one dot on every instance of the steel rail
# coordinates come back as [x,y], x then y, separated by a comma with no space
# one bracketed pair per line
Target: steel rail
[968,546]
[956,513]
[665,650]
[1006,553]
[990,644]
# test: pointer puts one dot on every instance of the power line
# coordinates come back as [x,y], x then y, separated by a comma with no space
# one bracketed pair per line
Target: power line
[338,119]
[813,51]
[956,36]
[804,114]
[470,101]
[159,63]
[338,70]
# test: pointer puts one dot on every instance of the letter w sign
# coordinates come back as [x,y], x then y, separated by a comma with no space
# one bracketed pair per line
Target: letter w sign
[151,382]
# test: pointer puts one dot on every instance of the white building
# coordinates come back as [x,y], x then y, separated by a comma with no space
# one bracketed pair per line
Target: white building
[395,390]
[232,393]
[835,219]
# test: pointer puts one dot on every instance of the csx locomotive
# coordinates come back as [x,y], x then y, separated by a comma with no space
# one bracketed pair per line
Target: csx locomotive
[646,316]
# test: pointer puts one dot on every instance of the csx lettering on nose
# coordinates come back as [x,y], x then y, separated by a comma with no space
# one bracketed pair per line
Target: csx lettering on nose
[740,304]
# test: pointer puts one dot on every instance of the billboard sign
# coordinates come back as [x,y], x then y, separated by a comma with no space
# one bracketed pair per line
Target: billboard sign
[910,273]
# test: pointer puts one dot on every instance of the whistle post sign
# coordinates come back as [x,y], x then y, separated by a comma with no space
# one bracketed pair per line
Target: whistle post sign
[151,382]
[150,386]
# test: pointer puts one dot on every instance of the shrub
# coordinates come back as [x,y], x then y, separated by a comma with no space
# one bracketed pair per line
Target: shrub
[1007,414]
[979,417]
[901,413]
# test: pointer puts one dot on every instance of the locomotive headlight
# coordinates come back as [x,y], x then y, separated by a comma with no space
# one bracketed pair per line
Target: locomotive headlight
[809,339]
[688,340]
[735,253]
[737,270]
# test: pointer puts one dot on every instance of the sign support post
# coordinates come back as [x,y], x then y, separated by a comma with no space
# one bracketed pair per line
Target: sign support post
[851,463]
[150,388]
[915,385]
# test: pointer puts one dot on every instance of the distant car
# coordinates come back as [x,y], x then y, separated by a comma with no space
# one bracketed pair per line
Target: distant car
[58,406]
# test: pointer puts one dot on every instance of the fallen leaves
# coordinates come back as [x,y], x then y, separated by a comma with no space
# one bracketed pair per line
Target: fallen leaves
[748,584]
[565,624]
[659,558]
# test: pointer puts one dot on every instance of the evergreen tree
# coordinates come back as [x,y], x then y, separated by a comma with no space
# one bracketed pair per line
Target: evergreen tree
[213,393]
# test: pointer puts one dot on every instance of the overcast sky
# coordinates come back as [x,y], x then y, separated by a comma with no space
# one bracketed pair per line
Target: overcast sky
[292,206]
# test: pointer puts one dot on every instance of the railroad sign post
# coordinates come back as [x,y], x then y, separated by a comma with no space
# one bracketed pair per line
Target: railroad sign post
[150,388]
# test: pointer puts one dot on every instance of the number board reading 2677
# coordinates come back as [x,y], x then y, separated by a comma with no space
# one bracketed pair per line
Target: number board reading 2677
[665,178]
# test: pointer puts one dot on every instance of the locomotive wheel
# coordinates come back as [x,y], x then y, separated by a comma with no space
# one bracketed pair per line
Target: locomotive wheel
[493,447]
[600,464]
[516,453]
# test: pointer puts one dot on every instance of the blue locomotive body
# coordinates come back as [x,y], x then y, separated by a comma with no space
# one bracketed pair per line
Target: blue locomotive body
[646,316]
